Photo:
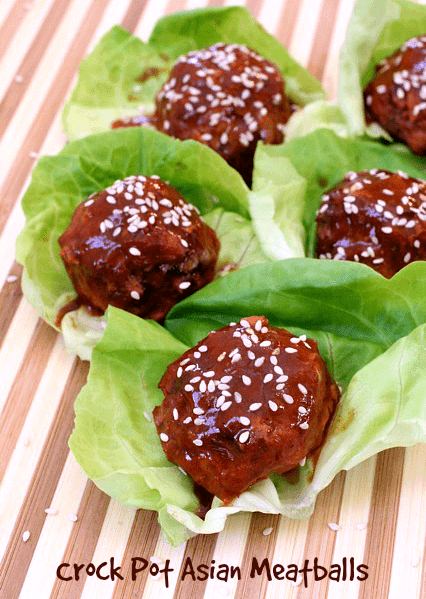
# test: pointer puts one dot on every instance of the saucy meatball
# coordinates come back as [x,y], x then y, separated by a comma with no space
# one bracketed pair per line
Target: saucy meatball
[139,246]
[227,97]
[396,97]
[249,400]
[375,217]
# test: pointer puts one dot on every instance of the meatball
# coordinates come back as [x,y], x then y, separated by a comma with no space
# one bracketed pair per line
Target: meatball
[249,400]
[139,246]
[227,97]
[375,217]
[396,97]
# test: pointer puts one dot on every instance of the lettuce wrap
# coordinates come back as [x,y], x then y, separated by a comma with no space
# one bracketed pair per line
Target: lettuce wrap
[377,28]
[59,183]
[299,172]
[370,331]
[122,75]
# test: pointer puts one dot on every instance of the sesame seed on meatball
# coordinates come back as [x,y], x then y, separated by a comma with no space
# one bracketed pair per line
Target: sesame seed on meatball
[227,97]
[376,217]
[247,401]
[396,97]
[139,246]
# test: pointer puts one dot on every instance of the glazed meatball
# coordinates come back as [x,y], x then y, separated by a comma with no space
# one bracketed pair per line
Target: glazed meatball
[249,400]
[396,97]
[375,217]
[227,97]
[139,246]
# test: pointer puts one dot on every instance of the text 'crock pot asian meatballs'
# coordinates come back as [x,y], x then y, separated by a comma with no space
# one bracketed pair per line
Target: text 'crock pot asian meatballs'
[139,246]
[227,97]
[249,400]
[396,97]
[375,217]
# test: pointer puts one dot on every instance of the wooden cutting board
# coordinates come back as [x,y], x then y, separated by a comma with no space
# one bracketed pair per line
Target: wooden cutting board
[374,514]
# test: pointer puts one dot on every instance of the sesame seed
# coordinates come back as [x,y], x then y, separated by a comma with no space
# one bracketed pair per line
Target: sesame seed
[243,438]
[203,386]
[189,388]
[195,379]
[198,411]
[197,442]
[209,373]
[265,343]
[244,420]
[259,361]
[410,224]
[290,350]
[147,416]
[246,341]
[278,370]
[267,531]
[236,358]
[197,355]
[387,229]
[288,398]
[50,511]
[11,278]
[258,325]
[135,295]
[304,425]
[302,388]
[268,377]
[255,406]
[407,257]
[333,526]
[246,380]
[211,386]
[273,405]
[73,517]
[187,420]
[273,360]
[226,405]
[26,535]
[175,414]
[89,202]
[184,285]
[179,372]
[134,251]
[237,397]
[302,410]
[282,379]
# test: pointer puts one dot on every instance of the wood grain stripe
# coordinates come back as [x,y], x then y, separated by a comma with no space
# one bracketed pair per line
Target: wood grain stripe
[42,487]
[35,52]
[11,24]
[380,541]
[199,550]
[261,547]
[54,100]
[10,296]
[133,14]
[287,21]
[82,541]
[254,6]
[142,541]
[322,38]
[22,394]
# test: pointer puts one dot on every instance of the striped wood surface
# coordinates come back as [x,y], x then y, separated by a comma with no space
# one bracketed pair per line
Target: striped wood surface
[380,505]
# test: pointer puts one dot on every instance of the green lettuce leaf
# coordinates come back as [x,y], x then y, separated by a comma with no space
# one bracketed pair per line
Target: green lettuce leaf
[306,168]
[122,75]
[370,330]
[59,183]
[376,30]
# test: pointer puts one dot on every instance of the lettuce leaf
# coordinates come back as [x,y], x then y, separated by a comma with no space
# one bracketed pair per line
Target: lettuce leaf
[59,183]
[371,331]
[122,75]
[308,167]
[376,30]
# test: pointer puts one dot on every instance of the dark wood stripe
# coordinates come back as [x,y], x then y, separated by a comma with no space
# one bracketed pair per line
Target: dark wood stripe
[24,389]
[10,297]
[322,39]
[16,91]
[287,21]
[215,2]
[141,543]
[82,541]
[11,24]
[258,546]
[423,579]
[379,546]
[53,102]
[321,540]
[42,488]
[254,6]
[175,6]
[199,550]
[133,14]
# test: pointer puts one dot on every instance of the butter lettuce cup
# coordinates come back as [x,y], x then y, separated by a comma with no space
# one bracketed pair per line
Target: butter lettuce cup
[370,332]
[300,175]
[120,78]
[376,31]
[85,167]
